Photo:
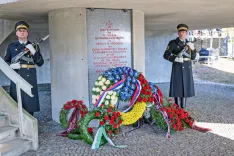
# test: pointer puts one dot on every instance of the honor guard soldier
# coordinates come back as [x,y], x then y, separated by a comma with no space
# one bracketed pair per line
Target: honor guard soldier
[180,52]
[25,67]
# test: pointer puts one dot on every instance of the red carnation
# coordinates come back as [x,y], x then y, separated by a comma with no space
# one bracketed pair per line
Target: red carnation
[144,99]
[106,117]
[73,101]
[70,106]
[109,110]
[66,107]
[79,102]
[191,124]
[187,120]
[120,122]
[114,113]
[181,128]
[112,118]
[110,132]
[174,126]
[97,114]
[102,123]
[68,103]
[139,99]
[111,122]
[118,114]
[181,116]
[90,130]
[115,125]
[170,116]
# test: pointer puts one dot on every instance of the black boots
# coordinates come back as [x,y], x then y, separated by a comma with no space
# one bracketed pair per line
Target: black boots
[180,101]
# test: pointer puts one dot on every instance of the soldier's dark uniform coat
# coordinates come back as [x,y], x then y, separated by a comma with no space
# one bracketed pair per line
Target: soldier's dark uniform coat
[181,84]
[30,104]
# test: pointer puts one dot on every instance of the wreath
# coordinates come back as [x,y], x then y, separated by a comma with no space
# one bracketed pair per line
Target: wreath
[108,117]
[179,119]
[123,84]
[66,110]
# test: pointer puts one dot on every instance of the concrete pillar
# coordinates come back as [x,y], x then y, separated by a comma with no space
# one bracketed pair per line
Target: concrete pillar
[138,40]
[158,70]
[69,66]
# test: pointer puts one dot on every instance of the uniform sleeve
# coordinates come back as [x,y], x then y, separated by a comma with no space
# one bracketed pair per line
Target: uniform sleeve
[37,57]
[193,54]
[7,57]
[168,55]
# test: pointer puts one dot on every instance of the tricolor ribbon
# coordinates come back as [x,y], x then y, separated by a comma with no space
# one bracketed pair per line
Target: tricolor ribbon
[97,139]
[115,86]
[135,95]
[159,107]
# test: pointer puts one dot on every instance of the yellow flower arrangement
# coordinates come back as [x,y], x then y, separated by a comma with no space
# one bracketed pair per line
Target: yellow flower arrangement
[135,114]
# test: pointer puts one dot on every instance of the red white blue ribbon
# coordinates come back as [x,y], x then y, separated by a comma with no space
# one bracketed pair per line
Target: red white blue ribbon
[135,95]
[165,116]
[115,86]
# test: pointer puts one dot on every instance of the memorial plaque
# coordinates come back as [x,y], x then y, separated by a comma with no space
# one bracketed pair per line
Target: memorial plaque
[109,42]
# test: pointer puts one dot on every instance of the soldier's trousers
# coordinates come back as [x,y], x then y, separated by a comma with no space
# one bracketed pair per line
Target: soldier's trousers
[181,101]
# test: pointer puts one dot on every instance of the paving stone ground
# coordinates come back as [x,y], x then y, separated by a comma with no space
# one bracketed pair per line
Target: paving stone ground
[213,106]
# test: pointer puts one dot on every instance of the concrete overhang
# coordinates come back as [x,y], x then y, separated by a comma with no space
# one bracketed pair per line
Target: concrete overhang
[160,15]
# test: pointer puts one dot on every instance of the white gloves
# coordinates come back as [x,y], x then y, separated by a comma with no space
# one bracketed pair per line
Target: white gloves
[191,45]
[31,48]
[15,65]
[179,59]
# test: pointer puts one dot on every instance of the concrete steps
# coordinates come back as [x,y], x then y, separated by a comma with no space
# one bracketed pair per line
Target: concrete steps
[7,133]
[15,147]
[10,144]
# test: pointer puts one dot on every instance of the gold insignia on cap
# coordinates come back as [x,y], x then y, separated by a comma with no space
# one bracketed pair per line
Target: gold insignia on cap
[21,26]
[182,28]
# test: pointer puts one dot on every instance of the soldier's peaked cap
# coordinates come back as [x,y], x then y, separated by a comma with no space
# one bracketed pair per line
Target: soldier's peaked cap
[21,25]
[182,27]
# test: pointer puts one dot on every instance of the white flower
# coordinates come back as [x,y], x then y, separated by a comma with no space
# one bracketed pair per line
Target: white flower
[96,83]
[108,97]
[103,87]
[93,96]
[107,82]
[110,92]
[113,97]
[93,101]
[94,89]
[100,83]
[113,102]
[100,77]
[114,93]
[106,102]
[103,80]
[98,90]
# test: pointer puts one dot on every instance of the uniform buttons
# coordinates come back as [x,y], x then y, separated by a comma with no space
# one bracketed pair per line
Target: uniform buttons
[28,55]
[28,68]
[183,67]
[27,75]
[28,62]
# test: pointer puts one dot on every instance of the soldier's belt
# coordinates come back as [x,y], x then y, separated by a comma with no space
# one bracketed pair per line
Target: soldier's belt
[186,59]
[27,66]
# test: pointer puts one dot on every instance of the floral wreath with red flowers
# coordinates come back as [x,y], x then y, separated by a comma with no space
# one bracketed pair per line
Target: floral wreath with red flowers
[109,117]
[63,117]
[179,119]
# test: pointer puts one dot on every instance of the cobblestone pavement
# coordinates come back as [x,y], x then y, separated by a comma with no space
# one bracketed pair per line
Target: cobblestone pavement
[212,106]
